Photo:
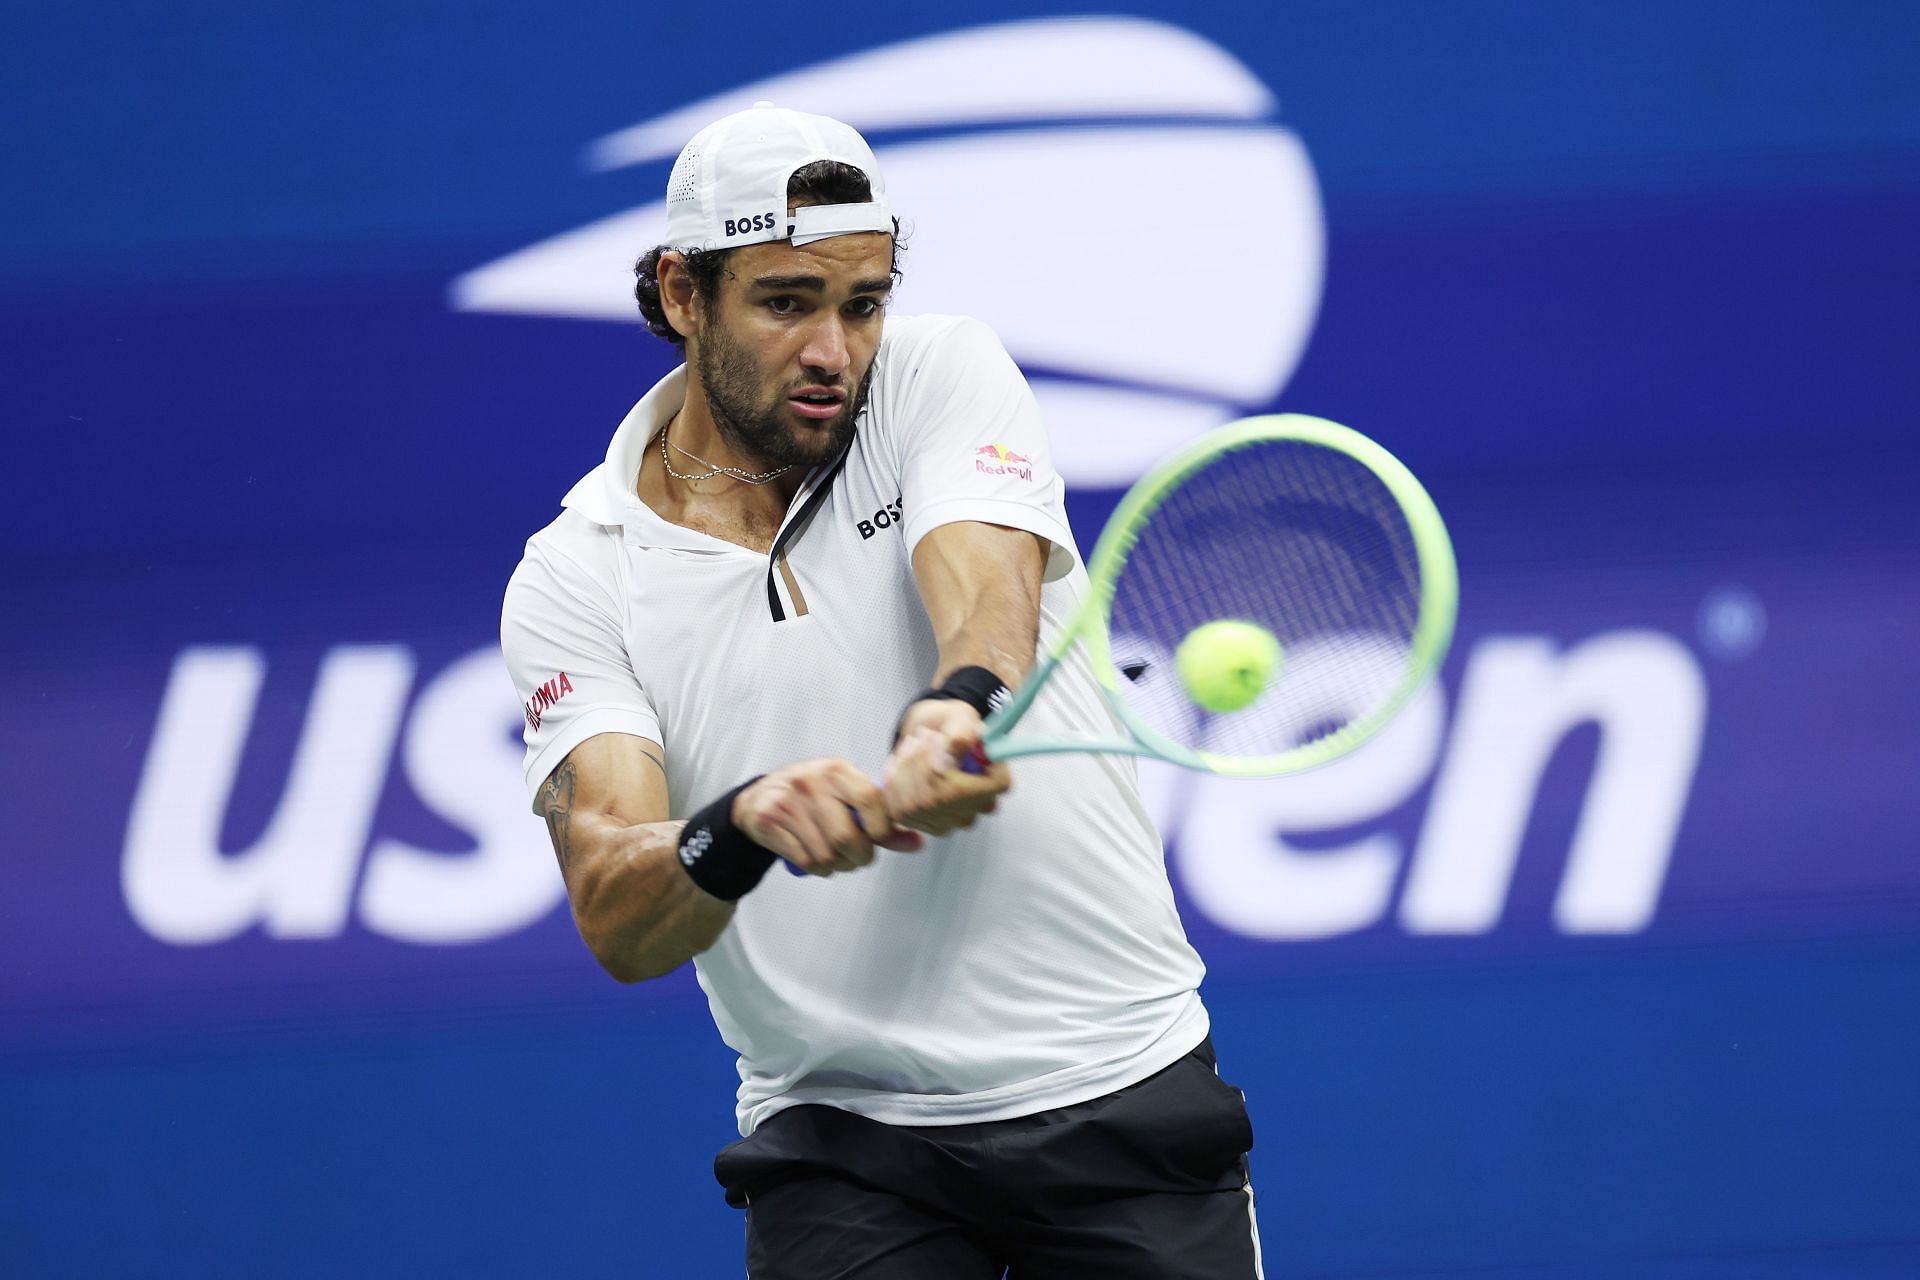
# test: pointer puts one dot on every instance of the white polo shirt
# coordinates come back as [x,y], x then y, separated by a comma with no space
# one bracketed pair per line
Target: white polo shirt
[1033,962]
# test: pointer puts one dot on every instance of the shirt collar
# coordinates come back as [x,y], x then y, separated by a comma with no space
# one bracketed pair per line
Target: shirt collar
[607,494]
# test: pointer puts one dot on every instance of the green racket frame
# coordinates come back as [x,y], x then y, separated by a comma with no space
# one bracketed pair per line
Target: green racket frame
[1433,632]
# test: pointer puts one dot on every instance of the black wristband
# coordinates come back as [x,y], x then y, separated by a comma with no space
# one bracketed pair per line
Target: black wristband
[719,857]
[978,687]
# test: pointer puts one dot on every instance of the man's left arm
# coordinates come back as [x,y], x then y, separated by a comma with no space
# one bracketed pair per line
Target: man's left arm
[980,584]
[981,587]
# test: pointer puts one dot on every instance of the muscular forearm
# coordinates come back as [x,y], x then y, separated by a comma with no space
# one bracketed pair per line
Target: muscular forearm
[981,586]
[640,910]
[1000,635]
[635,906]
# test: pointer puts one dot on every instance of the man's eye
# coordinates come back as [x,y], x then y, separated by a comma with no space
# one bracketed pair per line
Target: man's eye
[865,308]
[782,306]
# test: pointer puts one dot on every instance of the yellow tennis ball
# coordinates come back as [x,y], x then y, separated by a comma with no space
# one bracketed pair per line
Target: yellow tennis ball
[1224,665]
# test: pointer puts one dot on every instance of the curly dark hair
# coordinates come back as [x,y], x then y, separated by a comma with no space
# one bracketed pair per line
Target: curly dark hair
[822,182]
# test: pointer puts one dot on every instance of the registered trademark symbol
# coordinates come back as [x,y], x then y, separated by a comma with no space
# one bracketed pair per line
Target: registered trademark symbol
[1731,622]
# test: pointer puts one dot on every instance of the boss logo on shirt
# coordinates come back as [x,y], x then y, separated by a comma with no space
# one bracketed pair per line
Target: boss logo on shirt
[885,518]
[758,222]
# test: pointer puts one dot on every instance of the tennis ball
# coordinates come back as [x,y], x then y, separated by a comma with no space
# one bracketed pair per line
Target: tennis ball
[1224,665]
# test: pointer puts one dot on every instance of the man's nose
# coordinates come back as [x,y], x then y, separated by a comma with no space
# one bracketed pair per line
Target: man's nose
[826,347]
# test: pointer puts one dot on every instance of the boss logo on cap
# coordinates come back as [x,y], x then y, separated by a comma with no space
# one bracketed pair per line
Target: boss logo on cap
[758,222]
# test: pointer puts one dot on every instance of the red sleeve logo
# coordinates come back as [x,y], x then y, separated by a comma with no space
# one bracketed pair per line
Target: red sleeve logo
[998,460]
[545,696]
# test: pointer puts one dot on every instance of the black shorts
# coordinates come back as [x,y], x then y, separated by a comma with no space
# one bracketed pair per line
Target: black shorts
[1150,1181]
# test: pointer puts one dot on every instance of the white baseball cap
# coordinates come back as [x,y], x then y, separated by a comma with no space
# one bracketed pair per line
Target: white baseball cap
[729,186]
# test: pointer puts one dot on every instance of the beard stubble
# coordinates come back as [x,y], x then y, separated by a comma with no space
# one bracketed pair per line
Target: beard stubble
[732,379]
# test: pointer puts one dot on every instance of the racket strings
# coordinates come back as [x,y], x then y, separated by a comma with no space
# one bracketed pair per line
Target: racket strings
[1300,539]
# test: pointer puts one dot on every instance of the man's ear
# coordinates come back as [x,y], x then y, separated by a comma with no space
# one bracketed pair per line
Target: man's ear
[679,299]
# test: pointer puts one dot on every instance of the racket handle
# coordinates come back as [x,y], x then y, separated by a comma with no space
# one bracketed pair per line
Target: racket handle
[975,761]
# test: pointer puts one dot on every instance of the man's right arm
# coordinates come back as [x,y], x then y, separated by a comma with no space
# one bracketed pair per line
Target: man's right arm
[637,908]
[605,806]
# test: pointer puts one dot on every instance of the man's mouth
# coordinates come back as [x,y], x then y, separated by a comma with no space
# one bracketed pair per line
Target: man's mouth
[819,403]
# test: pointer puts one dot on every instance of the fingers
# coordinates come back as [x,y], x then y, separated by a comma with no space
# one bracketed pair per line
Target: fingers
[776,815]
[904,840]
[928,791]
[871,815]
[826,816]
[955,721]
[863,800]
[822,816]
[960,728]
[818,854]
[781,812]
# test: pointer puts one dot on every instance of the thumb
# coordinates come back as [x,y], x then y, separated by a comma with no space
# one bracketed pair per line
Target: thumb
[903,840]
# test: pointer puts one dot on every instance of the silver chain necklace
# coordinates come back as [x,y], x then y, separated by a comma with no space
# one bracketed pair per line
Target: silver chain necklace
[749,477]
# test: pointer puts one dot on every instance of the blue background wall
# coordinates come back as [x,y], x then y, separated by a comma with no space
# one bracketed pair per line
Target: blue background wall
[1630,286]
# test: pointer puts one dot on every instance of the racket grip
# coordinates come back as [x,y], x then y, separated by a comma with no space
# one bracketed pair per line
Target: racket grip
[975,761]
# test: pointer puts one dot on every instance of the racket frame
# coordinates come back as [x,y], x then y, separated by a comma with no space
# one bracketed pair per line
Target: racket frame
[1433,631]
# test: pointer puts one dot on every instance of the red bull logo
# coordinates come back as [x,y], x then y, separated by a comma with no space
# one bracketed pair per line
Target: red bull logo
[998,460]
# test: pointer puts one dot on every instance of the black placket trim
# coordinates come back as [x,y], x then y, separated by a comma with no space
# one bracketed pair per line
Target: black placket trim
[793,527]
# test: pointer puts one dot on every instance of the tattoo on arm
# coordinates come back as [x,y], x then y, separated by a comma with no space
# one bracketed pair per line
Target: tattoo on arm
[555,804]
[658,763]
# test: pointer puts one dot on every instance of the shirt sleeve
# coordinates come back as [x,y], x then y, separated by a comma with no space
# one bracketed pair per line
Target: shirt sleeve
[972,446]
[560,631]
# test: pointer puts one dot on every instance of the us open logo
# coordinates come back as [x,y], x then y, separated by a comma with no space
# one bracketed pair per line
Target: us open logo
[1097,141]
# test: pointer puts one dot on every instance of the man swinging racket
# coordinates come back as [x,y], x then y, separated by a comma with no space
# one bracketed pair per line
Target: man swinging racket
[969,1033]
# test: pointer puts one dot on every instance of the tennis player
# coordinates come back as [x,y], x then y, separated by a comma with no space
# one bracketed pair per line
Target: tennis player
[764,633]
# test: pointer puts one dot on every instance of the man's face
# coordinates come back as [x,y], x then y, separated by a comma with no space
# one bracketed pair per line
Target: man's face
[785,351]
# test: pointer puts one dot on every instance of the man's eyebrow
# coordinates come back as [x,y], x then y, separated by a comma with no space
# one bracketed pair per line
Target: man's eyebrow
[812,284]
[818,284]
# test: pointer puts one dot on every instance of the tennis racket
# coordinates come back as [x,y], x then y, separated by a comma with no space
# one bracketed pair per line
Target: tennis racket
[1297,532]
